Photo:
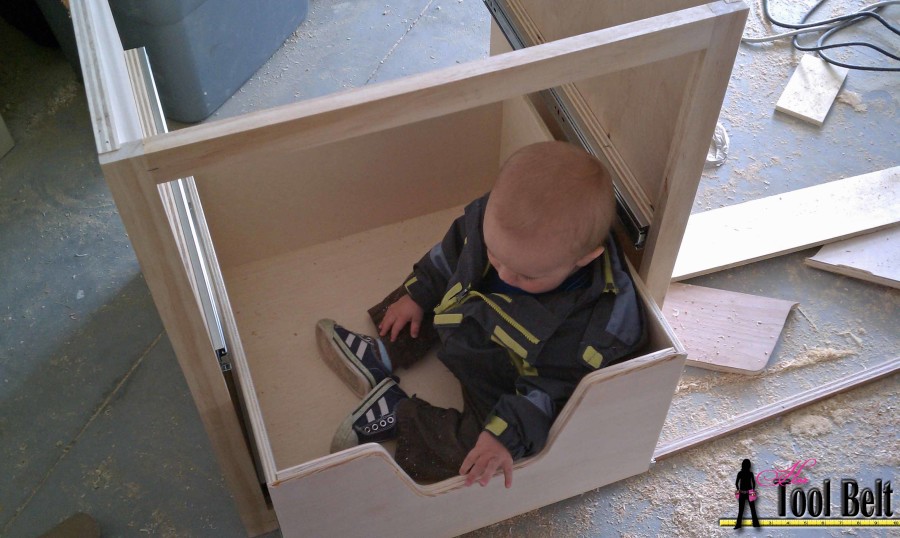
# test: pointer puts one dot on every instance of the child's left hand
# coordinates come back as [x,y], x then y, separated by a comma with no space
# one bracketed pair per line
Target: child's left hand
[484,459]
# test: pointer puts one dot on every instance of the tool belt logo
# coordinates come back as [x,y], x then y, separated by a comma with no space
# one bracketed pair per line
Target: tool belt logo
[804,501]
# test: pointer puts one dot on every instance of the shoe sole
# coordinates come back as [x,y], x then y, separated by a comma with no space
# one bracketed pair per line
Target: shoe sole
[345,437]
[337,356]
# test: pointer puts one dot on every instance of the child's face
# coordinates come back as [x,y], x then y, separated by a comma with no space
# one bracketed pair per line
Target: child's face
[534,265]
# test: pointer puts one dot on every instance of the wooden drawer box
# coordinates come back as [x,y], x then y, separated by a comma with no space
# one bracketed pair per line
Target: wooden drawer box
[319,208]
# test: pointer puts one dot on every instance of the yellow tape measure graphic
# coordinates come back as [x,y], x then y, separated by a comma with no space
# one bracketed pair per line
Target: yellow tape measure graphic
[832,522]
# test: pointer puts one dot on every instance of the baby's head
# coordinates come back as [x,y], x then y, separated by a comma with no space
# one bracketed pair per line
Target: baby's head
[548,214]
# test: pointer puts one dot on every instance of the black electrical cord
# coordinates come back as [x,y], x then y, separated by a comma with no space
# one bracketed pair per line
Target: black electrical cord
[820,43]
[841,22]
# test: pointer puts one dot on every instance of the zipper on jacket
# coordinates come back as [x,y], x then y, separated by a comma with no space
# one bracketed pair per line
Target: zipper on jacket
[454,300]
[506,317]
[466,293]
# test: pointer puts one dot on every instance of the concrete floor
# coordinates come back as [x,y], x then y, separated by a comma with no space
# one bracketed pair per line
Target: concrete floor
[95,415]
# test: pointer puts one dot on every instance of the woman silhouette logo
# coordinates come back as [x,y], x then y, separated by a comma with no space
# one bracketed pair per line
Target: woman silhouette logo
[745,485]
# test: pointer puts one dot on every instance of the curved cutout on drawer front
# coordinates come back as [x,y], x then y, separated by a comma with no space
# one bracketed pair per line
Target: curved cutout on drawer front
[624,411]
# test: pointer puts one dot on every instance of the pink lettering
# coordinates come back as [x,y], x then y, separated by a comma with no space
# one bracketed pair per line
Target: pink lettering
[782,477]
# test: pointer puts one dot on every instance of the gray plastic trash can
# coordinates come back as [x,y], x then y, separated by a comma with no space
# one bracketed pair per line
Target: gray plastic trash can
[202,51]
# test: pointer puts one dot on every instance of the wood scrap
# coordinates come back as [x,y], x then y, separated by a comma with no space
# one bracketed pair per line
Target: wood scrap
[873,257]
[724,330]
[775,225]
[811,90]
[776,409]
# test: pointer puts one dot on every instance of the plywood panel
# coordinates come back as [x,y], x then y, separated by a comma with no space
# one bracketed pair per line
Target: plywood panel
[589,446]
[651,121]
[760,229]
[811,90]
[521,126]
[117,120]
[872,257]
[724,330]
[277,303]
[110,99]
[636,109]
[557,21]
[261,208]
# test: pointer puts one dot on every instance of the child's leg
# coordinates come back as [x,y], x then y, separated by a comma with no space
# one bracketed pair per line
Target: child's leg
[406,350]
[432,442]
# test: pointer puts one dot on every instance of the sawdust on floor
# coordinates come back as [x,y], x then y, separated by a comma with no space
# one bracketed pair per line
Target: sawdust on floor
[689,385]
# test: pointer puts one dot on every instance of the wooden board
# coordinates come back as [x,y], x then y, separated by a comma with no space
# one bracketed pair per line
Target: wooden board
[276,304]
[588,446]
[109,93]
[776,409]
[316,122]
[117,119]
[776,225]
[651,123]
[263,208]
[811,90]
[725,330]
[873,257]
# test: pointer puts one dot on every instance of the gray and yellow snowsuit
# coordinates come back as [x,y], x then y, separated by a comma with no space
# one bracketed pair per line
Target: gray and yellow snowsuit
[518,357]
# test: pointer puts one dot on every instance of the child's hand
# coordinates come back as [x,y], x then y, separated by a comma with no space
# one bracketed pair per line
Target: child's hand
[484,459]
[403,311]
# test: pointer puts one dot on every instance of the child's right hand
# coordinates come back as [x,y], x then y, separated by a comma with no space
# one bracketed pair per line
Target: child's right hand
[403,311]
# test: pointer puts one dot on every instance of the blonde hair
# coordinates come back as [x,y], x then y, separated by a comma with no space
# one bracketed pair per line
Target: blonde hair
[555,190]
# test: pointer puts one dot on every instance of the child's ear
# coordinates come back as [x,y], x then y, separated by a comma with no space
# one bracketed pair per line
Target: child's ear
[590,256]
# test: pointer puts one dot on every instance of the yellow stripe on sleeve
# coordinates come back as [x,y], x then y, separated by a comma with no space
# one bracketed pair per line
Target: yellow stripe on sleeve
[496,425]
[509,343]
[592,357]
[448,319]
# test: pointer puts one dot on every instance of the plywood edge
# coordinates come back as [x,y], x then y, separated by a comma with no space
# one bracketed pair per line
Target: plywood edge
[577,459]
[351,113]
[852,272]
[694,128]
[776,409]
[654,312]
[141,208]
[113,111]
[218,417]
[588,383]
[872,257]
[152,123]
[736,235]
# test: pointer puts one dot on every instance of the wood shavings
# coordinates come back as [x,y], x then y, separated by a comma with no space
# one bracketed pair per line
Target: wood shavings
[853,100]
[810,425]
[807,358]
[812,356]
[852,336]
[811,322]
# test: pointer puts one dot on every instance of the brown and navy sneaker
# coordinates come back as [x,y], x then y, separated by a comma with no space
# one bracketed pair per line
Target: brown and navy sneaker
[355,358]
[374,420]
